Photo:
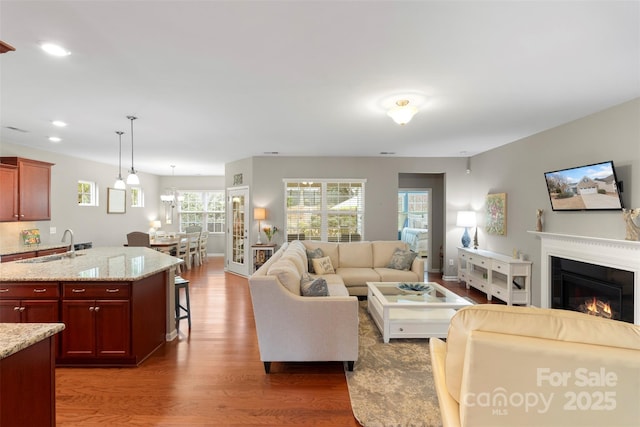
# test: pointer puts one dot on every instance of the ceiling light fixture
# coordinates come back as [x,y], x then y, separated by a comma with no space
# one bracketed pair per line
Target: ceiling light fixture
[58,123]
[55,50]
[133,178]
[402,112]
[55,139]
[120,185]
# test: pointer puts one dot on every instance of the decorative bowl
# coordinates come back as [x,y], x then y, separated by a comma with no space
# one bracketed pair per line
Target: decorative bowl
[414,287]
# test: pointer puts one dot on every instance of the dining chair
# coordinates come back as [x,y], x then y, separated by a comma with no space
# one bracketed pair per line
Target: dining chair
[138,238]
[202,246]
[193,240]
[193,229]
[182,252]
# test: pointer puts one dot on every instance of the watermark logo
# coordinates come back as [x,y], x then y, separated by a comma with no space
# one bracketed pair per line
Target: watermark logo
[580,389]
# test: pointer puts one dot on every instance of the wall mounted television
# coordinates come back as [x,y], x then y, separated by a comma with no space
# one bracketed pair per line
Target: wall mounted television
[584,188]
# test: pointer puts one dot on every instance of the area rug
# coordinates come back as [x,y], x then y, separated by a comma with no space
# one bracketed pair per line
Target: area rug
[392,384]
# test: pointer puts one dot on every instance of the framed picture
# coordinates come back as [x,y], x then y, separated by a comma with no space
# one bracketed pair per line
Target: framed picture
[116,201]
[497,214]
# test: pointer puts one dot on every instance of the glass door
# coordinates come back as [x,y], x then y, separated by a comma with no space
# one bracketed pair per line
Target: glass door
[237,236]
[414,220]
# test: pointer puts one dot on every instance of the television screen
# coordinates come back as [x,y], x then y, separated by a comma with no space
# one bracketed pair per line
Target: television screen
[583,188]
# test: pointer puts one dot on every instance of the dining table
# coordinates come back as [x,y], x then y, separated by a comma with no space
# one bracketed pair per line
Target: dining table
[166,244]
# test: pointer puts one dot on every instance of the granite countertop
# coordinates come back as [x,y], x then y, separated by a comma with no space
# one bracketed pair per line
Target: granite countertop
[18,336]
[20,249]
[97,264]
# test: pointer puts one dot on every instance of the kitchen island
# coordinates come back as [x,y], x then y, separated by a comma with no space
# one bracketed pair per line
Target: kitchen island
[27,375]
[116,302]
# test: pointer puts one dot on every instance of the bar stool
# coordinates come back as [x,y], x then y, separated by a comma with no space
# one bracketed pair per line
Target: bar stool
[181,283]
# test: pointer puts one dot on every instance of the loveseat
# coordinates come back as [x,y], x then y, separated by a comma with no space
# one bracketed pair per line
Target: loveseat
[526,366]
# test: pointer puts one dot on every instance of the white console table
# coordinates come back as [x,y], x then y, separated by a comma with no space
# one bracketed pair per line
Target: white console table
[497,275]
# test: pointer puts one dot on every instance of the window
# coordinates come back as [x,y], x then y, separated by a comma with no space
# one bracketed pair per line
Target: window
[203,208]
[326,210]
[413,209]
[137,197]
[87,193]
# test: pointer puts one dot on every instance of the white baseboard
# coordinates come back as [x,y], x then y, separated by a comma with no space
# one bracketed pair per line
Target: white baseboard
[450,278]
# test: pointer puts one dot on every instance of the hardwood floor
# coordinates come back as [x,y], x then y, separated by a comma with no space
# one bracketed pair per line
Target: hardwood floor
[213,375]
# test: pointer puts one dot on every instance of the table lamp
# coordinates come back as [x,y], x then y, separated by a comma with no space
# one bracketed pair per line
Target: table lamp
[466,219]
[259,214]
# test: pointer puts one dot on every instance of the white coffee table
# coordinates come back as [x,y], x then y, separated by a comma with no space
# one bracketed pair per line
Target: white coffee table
[402,313]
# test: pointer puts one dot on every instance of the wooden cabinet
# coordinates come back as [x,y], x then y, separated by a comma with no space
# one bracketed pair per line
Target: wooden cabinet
[8,192]
[97,316]
[35,302]
[497,275]
[27,386]
[32,254]
[25,194]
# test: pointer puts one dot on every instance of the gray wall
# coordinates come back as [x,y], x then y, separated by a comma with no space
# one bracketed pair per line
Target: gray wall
[517,169]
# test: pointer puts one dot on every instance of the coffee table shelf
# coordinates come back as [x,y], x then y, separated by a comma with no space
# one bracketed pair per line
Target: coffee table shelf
[405,314]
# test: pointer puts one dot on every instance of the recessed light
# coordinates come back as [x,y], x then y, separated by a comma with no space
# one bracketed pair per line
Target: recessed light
[55,50]
[55,139]
[58,123]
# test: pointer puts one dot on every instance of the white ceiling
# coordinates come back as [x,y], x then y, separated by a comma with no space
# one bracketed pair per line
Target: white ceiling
[218,81]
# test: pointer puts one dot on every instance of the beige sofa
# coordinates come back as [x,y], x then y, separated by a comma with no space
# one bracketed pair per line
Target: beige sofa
[292,327]
[357,263]
[526,366]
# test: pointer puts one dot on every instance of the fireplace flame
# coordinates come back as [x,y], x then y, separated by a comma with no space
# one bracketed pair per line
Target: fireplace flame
[596,307]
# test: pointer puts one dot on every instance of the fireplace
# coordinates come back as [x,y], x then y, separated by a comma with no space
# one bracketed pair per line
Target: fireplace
[591,267]
[592,289]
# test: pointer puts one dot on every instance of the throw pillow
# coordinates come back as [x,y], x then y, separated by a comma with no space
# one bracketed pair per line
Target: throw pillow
[311,254]
[315,288]
[323,265]
[401,259]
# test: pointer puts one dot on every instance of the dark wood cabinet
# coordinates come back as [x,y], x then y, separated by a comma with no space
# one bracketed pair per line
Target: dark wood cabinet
[27,386]
[31,191]
[32,254]
[98,320]
[106,323]
[8,193]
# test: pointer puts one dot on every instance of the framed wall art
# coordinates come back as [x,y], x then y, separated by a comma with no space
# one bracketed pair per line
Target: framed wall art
[497,214]
[116,201]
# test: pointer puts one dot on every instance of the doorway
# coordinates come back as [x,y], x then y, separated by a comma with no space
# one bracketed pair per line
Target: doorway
[237,232]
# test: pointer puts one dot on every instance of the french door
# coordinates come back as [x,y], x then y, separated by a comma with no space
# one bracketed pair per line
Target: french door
[237,231]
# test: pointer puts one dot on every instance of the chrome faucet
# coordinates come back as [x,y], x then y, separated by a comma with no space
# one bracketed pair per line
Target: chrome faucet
[72,251]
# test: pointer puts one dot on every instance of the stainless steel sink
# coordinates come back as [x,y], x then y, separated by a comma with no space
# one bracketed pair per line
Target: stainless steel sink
[42,259]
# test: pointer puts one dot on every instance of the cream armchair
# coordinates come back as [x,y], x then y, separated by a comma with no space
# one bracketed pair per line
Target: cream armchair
[526,366]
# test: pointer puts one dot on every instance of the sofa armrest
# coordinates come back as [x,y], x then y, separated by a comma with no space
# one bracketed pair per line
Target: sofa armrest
[418,267]
[449,408]
[296,328]
[516,380]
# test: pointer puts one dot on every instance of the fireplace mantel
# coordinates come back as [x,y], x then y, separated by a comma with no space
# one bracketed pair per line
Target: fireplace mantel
[621,254]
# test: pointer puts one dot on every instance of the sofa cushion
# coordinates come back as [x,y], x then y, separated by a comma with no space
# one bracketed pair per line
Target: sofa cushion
[356,254]
[329,249]
[296,247]
[311,255]
[323,265]
[383,251]
[297,260]
[287,273]
[393,275]
[315,288]
[401,259]
[337,290]
[358,276]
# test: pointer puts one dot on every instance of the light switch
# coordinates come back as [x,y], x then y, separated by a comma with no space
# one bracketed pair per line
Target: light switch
[52,230]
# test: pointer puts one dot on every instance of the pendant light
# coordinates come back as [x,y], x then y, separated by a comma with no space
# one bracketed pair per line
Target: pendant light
[120,185]
[133,178]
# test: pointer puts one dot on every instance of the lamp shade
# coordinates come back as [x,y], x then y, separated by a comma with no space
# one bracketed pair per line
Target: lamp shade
[466,219]
[156,224]
[259,214]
